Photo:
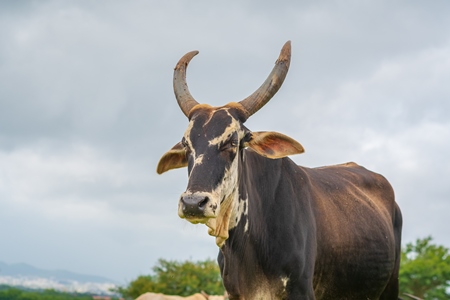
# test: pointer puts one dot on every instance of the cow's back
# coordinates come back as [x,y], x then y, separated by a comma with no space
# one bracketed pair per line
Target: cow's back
[355,213]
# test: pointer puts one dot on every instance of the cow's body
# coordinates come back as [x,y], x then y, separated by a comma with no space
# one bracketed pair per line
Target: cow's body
[329,232]
[284,231]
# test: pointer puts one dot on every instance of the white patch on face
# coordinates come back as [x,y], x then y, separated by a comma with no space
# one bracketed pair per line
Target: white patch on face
[187,133]
[229,182]
[233,127]
[198,160]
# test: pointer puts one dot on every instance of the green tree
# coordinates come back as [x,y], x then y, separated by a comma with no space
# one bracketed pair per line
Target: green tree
[425,270]
[177,278]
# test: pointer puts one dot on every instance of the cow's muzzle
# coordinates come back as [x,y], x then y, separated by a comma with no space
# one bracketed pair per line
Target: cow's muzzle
[196,208]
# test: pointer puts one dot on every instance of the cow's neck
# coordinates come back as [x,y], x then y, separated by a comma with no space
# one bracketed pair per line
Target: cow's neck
[249,243]
[260,179]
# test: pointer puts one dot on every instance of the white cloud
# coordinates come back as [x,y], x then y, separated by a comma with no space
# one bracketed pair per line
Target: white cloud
[70,184]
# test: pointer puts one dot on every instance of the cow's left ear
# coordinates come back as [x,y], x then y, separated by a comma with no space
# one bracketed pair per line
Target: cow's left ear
[172,159]
[273,144]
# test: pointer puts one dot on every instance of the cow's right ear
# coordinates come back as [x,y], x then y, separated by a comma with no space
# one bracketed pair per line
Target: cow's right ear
[172,159]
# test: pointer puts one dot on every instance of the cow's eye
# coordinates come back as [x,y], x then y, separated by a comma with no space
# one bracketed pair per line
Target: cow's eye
[232,144]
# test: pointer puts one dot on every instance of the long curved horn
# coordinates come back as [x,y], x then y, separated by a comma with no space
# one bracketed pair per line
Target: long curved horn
[272,84]
[184,98]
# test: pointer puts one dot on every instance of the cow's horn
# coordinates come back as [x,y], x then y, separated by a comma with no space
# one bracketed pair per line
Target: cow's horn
[272,84]
[184,98]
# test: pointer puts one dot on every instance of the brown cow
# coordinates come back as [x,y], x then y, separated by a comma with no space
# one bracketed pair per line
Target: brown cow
[284,231]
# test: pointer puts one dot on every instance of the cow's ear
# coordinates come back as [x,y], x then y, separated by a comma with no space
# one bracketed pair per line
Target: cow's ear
[172,159]
[273,144]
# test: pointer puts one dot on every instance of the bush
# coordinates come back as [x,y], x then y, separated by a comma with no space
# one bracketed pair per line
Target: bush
[177,278]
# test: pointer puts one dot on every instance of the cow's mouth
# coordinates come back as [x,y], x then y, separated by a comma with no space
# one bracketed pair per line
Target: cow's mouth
[197,219]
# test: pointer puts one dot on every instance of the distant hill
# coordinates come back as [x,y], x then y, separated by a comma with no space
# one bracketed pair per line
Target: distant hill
[29,277]
[26,270]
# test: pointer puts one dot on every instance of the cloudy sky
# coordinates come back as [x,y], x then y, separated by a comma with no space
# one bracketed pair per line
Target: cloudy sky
[87,109]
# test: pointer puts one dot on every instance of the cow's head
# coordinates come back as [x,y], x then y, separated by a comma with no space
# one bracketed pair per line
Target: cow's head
[213,143]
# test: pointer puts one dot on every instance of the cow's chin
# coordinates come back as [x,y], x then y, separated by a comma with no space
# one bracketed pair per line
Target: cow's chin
[196,220]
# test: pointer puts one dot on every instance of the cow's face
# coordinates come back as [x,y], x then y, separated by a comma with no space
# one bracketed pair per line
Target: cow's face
[213,144]
[211,149]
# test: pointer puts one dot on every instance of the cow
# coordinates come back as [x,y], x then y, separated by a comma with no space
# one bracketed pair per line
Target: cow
[284,231]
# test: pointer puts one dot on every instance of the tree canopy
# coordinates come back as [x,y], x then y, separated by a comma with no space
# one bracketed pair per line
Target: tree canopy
[178,278]
[425,270]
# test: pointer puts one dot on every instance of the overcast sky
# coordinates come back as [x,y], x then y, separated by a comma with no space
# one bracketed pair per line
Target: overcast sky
[87,109]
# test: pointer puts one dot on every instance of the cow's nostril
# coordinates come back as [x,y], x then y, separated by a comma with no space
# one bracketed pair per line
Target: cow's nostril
[203,203]
[194,205]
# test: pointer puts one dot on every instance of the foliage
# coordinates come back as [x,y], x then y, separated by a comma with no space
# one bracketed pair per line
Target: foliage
[177,278]
[425,270]
[12,293]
